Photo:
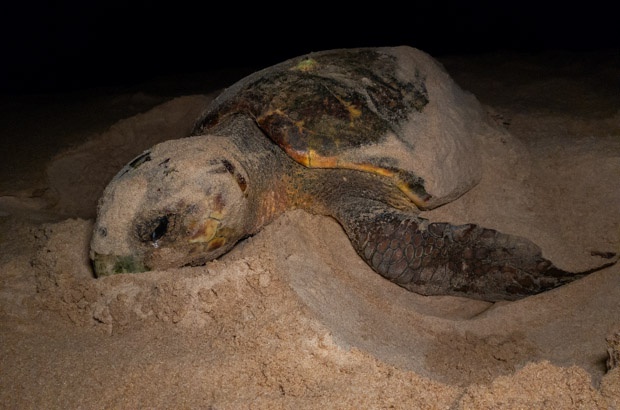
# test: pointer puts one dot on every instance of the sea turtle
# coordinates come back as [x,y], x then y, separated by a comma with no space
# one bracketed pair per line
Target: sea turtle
[354,134]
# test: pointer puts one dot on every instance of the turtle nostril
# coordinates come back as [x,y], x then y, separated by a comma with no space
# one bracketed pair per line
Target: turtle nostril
[160,230]
[102,231]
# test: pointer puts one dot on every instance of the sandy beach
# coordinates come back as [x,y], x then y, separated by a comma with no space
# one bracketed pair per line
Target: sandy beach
[292,317]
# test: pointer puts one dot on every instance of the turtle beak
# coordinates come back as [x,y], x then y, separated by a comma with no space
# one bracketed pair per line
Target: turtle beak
[106,265]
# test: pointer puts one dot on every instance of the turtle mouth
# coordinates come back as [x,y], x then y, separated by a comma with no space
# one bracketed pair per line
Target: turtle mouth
[106,265]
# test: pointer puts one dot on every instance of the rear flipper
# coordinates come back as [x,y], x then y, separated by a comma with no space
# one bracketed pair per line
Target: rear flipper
[443,259]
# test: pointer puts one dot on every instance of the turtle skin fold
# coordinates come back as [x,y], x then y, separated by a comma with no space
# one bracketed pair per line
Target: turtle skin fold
[433,258]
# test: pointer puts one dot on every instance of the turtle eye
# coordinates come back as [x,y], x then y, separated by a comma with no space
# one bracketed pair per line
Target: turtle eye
[154,229]
[160,230]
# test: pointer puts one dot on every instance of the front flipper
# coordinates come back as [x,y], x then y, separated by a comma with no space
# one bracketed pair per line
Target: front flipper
[444,259]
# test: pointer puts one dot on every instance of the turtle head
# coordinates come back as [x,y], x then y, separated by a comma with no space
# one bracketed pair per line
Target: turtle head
[183,202]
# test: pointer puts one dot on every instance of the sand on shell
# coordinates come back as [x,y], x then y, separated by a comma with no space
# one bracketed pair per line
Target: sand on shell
[292,317]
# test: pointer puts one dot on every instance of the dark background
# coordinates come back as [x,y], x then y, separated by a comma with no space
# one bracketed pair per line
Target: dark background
[60,46]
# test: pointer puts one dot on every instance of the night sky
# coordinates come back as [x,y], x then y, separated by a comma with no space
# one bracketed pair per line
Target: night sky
[76,45]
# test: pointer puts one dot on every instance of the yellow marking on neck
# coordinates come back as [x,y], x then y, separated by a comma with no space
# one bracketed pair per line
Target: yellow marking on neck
[206,232]
[310,159]
[415,198]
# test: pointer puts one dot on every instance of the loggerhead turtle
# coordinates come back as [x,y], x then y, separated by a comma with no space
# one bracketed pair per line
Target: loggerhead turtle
[341,133]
